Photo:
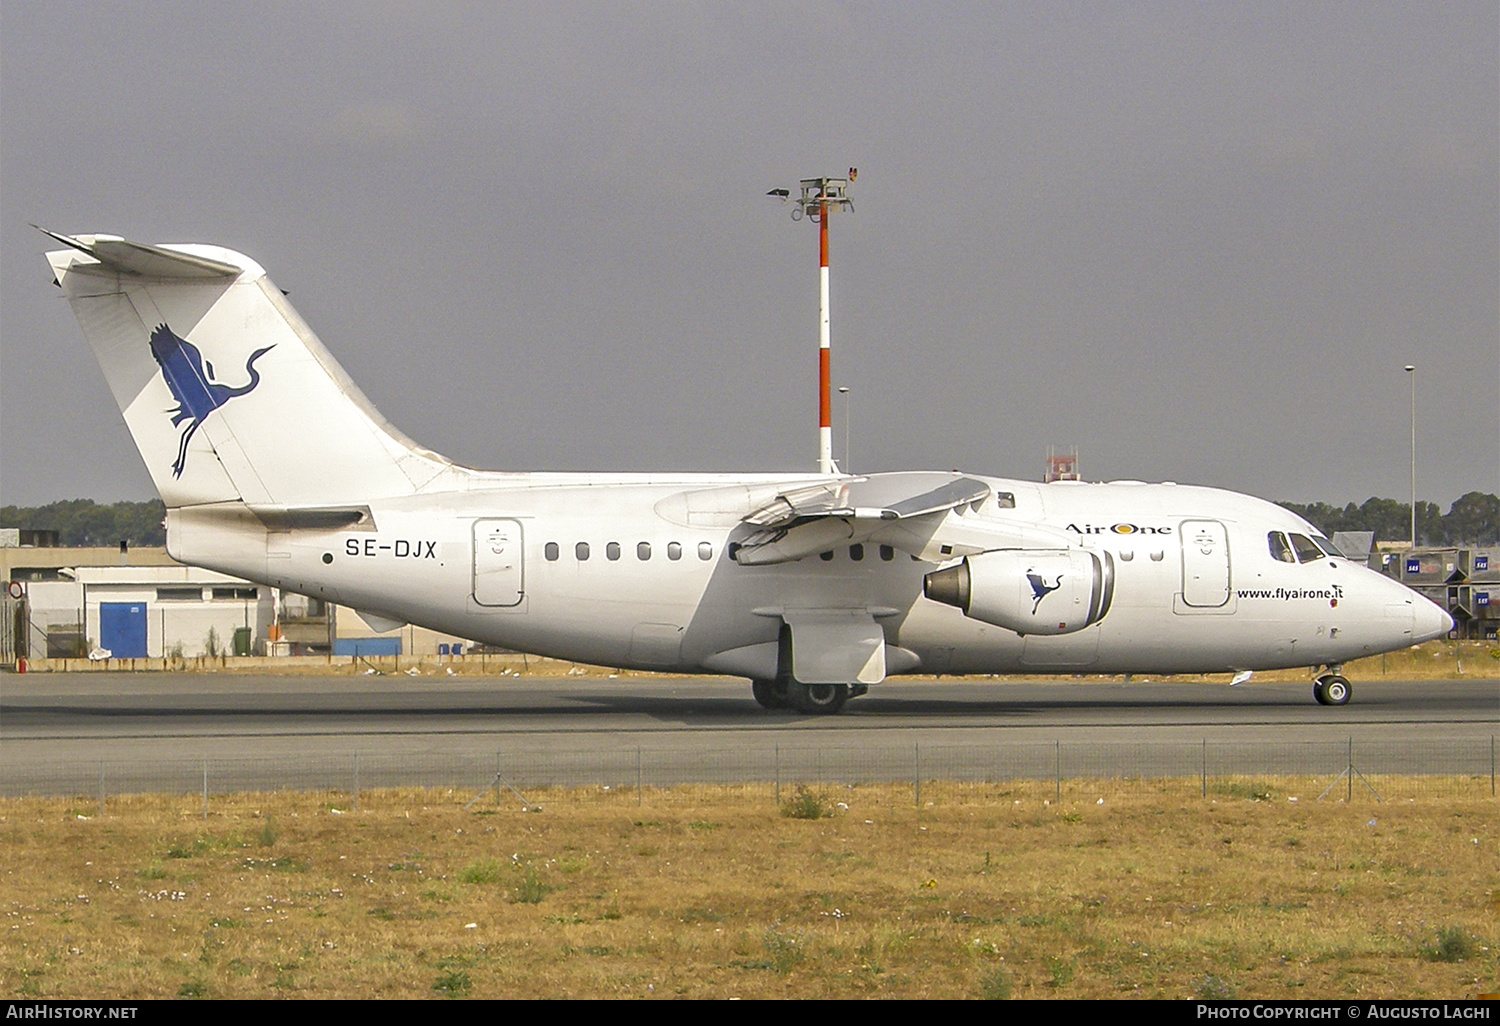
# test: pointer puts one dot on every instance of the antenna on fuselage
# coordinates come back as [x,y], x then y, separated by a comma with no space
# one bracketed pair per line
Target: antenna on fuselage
[821,197]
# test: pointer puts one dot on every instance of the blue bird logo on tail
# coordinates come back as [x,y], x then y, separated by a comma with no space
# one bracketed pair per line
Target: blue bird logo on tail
[1041,589]
[189,377]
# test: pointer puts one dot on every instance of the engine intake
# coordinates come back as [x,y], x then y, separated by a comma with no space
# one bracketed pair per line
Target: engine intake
[1029,591]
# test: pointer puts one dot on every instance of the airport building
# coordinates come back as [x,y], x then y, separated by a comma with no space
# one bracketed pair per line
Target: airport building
[136,602]
[1464,581]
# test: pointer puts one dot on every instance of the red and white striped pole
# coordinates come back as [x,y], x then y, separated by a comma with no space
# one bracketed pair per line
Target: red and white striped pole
[820,198]
[825,359]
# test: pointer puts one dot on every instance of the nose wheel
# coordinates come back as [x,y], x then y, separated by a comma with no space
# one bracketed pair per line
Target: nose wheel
[1331,689]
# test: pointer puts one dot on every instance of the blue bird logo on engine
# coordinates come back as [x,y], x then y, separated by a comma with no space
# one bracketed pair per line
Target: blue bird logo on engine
[1041,589]
[190,379]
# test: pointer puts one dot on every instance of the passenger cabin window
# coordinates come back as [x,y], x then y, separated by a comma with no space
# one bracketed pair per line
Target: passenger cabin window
[550,551]
[826,557]
[674,550]
[643,551]
[612,551]
[705,551]
[1280,548]
[887,553]
[581,550]
[1307,552]
[856,552]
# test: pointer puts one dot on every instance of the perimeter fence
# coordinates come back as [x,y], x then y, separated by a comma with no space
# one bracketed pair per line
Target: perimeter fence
[1304,770]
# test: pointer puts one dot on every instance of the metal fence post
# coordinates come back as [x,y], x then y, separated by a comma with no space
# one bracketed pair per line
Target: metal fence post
[916,774]
[1057,772]
[1349,773]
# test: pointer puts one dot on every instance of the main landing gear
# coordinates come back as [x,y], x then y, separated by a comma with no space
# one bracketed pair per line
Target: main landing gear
[1332,687]
[824,699]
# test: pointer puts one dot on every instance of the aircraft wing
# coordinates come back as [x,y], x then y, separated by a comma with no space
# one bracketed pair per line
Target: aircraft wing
[802,521]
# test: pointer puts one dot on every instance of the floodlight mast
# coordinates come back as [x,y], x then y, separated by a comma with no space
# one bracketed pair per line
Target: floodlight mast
[820,198]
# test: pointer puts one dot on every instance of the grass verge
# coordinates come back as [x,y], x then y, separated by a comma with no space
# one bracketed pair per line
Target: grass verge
[999,895]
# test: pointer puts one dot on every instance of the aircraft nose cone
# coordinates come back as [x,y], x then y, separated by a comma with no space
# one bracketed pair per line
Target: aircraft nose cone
[1429,620]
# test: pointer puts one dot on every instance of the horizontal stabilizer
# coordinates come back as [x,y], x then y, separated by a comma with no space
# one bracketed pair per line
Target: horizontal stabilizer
[119,255]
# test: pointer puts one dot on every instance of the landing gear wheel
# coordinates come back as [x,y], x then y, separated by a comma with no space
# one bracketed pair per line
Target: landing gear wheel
[1331,690]
[768,695]
[824,699]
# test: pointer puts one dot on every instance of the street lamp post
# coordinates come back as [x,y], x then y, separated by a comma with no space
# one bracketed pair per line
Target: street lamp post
[1411,372]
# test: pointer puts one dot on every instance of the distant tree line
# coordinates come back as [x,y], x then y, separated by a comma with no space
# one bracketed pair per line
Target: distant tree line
[85,522]
[1474,519]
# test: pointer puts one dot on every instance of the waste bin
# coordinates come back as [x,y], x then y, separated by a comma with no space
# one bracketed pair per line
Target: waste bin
[242,641]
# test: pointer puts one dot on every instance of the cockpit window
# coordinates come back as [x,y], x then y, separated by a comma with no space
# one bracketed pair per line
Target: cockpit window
[1328,546]
[1280,548]
[1307,552]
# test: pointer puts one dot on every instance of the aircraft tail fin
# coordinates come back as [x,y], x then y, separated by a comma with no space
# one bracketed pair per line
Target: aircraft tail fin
[227,392]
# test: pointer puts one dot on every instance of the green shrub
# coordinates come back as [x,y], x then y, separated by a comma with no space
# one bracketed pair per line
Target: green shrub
[485,871]
[454,983]
[531,890]
[806,804]
[1453,945]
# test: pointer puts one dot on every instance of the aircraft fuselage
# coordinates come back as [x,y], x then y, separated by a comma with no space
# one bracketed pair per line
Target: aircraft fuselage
[622,572]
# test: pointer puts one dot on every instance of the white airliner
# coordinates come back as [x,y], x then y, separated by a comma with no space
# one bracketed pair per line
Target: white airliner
[275,468]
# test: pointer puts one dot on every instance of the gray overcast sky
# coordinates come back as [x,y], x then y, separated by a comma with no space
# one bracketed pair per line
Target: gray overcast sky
[1197,240]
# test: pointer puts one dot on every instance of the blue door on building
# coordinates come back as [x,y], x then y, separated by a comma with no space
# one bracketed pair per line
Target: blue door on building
[122,629]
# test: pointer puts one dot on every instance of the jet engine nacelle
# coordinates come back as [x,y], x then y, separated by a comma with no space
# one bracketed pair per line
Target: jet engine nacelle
[1029,591]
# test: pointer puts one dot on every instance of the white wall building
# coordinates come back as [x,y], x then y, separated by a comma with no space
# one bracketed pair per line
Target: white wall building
[153,611]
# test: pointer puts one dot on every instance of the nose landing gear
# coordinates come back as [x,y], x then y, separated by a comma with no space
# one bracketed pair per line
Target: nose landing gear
[1332,687]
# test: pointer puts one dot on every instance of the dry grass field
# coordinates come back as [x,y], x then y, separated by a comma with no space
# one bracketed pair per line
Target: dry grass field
[1245,894]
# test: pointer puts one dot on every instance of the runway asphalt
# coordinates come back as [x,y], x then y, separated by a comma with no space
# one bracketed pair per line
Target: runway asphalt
[62,731]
